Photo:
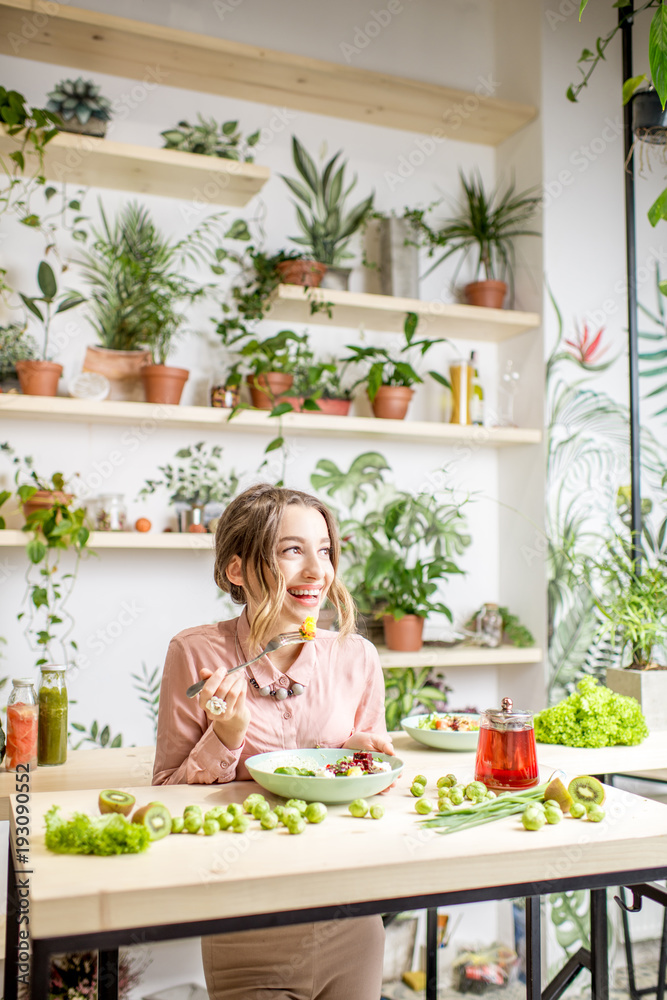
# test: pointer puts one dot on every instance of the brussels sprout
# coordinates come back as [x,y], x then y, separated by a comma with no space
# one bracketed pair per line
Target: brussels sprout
[269,820]
[377,812]
[594,813]
[532,818]
[553,816]
[211,826]
[240,823]
[315,812]
[417,790]
[297,804]
[358,808]
[424,806]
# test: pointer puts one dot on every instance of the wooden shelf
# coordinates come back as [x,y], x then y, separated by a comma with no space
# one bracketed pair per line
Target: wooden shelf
[104,43]
[459,656]
[85,160]
[168,540]
[152,415]
[386,314]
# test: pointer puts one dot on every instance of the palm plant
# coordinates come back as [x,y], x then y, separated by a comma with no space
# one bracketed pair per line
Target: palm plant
[486,227]
[327,228]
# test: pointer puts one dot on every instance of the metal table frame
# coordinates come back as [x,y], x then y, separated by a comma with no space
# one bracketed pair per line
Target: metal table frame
[107,943]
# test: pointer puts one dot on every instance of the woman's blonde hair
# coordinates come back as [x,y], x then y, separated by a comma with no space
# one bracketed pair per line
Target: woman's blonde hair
[248,528]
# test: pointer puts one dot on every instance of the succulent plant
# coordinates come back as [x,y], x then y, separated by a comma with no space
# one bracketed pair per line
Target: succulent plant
[80,99]
[211,139]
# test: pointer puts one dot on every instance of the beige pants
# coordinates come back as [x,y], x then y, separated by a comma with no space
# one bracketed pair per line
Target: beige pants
[330,960]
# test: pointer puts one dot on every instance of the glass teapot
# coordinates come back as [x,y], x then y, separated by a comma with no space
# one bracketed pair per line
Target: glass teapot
[506,758]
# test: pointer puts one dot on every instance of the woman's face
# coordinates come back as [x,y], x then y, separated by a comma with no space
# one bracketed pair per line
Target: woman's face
[303,555]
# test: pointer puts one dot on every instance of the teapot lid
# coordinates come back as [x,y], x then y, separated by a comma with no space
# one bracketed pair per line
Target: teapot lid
[508,717]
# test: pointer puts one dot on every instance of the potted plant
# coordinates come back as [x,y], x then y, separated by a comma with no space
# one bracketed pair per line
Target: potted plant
[210,138]
[486,227]
[326,224]
[16,344]
[39,377]
[79,107]
[411,690]
[390,377]
[318,388]
[138,290]
[633,609]
[31,129]
[196,480]
[272,363]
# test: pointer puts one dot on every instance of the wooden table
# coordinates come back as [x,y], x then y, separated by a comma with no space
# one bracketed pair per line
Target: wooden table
[189,886]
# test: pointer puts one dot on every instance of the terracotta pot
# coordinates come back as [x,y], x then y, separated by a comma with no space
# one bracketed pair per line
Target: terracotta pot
[38,378]
[43,499]
[163,384]
[301,272]
[122,368]
[334,407]
[392,402]
[404,635]
[490,294]
[266,389]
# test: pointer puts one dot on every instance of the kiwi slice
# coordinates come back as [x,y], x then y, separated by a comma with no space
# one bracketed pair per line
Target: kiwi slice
[156,818]
[113,801]
[557,790]
[586,790]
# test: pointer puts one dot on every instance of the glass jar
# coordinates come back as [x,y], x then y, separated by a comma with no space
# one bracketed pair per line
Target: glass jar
[110,512]
[52,734]
[506,755]
[460,376]
[490,625]
[22,714]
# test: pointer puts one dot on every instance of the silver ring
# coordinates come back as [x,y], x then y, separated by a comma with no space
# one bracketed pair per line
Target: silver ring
[216,706]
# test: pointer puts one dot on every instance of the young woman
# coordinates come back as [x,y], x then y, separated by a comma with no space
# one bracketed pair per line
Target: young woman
[277,553]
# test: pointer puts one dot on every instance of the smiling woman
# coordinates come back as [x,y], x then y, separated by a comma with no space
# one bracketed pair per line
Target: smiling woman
[277,554]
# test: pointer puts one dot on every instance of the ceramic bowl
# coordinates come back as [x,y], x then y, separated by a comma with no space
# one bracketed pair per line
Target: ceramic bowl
[442,739]
[314,789]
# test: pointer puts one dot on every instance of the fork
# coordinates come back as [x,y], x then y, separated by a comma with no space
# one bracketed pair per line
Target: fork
[284,639]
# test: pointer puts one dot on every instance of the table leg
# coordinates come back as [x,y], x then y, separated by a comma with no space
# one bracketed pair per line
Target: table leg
[533,949]
[432,953]
[107,974]
[662,964]
[599,951]
[40,976]
[11,932]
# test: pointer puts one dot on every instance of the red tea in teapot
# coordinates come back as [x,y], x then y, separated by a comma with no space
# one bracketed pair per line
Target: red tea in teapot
[506,758]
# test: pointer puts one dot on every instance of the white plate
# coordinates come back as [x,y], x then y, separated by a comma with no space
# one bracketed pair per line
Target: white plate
[442,739]
[313,789]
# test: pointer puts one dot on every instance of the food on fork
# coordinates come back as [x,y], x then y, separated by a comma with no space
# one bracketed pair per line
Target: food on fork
[308,629]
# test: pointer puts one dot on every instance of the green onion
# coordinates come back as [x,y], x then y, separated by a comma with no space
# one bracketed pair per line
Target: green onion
[476,814]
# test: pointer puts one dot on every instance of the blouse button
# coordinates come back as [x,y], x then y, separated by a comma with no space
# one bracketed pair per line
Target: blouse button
[287,715]
[284,681]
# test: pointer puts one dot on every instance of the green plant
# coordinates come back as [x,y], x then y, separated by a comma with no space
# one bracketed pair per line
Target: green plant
[99,736]
[15,345]
[387,368]
[148,686]
[513,631]
[139,285]
[197,479]
[55,530]
[323,380]
[327,227]
[407,691]
[592,716]
[49,298]
[80,99]
[31,129]
[209,138]
[634,605]
[486,226]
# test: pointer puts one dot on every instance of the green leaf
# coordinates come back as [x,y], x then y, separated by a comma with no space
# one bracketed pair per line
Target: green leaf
[658,209]
[30,304]
[582,7]
[570,94]
[273,445]
[441,379]
[632,85]
[117,741]
[35,550]
[94,730]
[49,193]
[238,231]
[281,408]
[39,597]
[70,302]
[410,325]
[18,158]
[46,280]
[31,220]
[657,52]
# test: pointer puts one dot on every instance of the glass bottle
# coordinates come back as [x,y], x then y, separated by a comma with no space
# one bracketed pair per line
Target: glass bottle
[111,513]
[52,734]
[506,755]
[21,725]
[460,376]
[476,394]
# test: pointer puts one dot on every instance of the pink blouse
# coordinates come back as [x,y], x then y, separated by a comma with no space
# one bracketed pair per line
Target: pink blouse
[344,694]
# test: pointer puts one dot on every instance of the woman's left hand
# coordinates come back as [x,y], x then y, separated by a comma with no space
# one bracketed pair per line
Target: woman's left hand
[378,742]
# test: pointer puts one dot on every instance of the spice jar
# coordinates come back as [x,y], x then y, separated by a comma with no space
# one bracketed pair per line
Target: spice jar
[52,735]
[21,725]
[460,376]
[111,513]
[506,755]
[490,625]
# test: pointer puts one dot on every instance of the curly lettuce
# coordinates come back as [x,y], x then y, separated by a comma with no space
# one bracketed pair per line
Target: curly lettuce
[103,835]
[592,716]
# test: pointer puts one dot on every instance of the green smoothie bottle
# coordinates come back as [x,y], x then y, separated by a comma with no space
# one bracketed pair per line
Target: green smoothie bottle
[52,726]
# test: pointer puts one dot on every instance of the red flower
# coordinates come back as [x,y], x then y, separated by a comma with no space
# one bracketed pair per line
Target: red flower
[586,351]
